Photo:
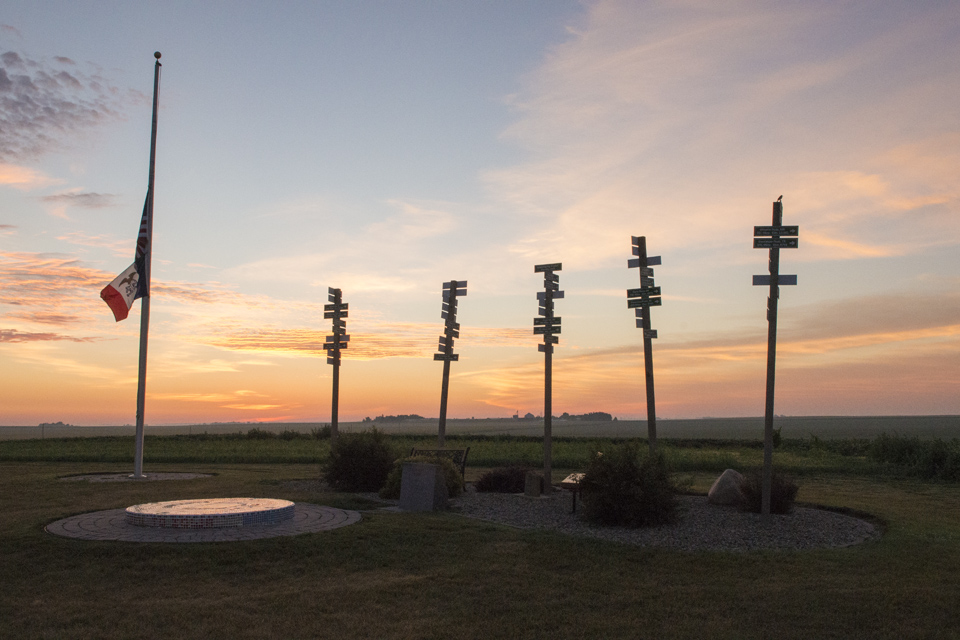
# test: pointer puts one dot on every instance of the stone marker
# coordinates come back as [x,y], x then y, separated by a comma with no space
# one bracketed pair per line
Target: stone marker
[726,489]
[534,485]
[422,487]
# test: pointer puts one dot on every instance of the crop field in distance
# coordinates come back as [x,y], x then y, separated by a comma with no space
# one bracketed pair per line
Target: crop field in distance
[824,427]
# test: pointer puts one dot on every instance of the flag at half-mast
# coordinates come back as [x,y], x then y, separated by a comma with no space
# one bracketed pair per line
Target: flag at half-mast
[133,283]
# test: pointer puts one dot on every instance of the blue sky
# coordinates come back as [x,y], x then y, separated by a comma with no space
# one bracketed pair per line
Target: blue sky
[385,147]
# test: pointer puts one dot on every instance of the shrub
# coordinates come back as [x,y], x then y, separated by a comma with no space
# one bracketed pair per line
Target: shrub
[503,480]
[260,434]
[289,434]
[359,461]
[451,474]
[321,433]
[783,491]
[619,489]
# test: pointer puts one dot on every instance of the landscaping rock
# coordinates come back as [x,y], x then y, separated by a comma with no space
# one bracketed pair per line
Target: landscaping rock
[726,489]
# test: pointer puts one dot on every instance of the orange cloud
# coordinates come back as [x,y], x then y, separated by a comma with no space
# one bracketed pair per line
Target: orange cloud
[12,335]
[394,340]
[24,178]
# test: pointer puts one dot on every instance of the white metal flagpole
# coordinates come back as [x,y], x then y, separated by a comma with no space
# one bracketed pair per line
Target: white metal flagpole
[145,276]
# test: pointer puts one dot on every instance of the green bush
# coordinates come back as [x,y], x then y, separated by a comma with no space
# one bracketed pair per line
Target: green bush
[618,489]
[451,474]
[260,434]
[511,479]
[359,461]
[321,433]
[783,492]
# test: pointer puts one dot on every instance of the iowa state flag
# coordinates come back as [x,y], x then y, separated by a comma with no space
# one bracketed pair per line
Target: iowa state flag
[132,283]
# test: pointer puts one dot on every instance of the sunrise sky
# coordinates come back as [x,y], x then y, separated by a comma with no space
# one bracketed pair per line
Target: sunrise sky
[385,147]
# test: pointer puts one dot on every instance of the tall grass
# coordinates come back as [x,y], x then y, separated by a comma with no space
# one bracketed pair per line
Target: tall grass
[932,459]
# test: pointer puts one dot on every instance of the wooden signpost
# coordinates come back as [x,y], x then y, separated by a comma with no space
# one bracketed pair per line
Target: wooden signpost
[641,300]
[774,238]
[336,311]
[548,326]
[451,330]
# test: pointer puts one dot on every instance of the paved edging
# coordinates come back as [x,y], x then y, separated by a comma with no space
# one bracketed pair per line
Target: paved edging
[112,525]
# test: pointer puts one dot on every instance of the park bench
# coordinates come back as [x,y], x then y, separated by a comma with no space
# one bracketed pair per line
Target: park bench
[458,456]
[572,484]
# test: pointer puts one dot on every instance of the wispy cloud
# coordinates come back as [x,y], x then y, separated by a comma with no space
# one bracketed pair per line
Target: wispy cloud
[42,103]
[116,247]
[386,340]
[83,200]
[12,335]
[680,124]
[23,177]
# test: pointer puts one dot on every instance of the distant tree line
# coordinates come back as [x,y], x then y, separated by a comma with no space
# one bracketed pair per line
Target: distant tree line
[593,416]
[399,418]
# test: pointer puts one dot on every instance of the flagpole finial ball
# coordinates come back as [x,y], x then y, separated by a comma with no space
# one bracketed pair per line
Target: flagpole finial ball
[156,54]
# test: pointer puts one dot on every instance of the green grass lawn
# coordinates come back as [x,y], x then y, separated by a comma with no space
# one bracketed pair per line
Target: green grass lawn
[444,576]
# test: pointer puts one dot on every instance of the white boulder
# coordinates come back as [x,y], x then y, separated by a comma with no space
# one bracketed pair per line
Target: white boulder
[726,489]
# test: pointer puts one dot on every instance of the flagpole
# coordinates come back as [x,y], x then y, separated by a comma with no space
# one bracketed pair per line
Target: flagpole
[145,300]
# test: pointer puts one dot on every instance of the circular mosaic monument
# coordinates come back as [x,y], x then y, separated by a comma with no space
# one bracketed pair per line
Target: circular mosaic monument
[112,525]
[212,513]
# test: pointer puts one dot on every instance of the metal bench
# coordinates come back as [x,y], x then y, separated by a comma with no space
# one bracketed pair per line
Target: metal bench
[458,456]
[572,484]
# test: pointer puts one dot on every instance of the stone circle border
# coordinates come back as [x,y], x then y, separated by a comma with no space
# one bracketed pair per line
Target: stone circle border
[111,525]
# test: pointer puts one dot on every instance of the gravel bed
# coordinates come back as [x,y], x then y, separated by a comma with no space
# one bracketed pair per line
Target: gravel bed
[700,526]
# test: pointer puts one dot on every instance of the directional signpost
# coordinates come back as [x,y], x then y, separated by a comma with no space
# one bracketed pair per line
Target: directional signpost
[336,311]
[641,300]
[775,237]
[451,330]
[548,325]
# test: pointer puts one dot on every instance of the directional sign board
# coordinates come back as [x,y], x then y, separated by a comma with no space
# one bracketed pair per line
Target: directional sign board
[643,302]
[646,291]
[540,268]
[652,261]
[546,329]
[539,321]
[776,243]
[650,333]
[455,357]
[792,230]
[782,279]
[336,307]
